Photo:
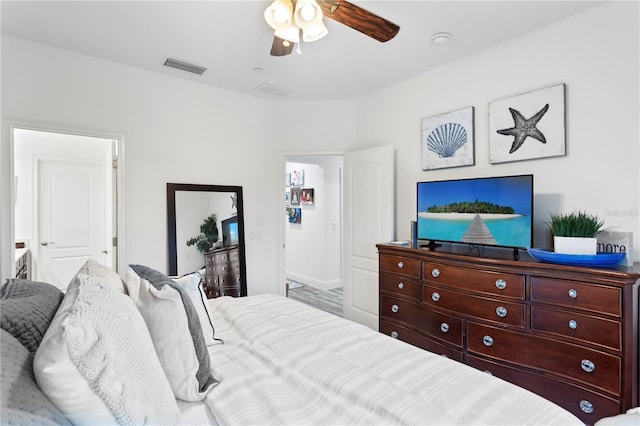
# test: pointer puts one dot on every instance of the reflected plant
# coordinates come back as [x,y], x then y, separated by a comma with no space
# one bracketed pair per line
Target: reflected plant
[208,236]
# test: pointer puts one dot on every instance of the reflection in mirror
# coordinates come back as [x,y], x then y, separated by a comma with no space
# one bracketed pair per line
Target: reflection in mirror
[223,264]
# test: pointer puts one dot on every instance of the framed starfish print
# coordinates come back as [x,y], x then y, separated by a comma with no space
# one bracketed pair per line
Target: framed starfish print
[527,126]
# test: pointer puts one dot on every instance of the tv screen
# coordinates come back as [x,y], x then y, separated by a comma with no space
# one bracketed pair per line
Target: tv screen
[494,211]
[230,231]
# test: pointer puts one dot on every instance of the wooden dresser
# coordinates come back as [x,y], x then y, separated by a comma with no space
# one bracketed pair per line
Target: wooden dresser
[223,272]
[569,334]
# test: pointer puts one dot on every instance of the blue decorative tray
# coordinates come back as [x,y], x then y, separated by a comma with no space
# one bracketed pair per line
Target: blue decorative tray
[598,260]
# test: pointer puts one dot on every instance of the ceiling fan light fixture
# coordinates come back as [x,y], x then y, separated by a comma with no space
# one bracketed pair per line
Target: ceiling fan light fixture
[279,14]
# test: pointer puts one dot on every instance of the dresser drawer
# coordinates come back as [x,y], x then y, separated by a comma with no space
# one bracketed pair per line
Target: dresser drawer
[491,283]
[590,329]
[547,355]
[227,280]
[224,257]
[576,294]
[400,265]
[416,339]
[224,268]
[229,291]
[480,307]
[576,399]
[400,285]
[440,326]
[212,292]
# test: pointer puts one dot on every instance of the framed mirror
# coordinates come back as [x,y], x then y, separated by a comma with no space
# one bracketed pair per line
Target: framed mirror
[224,264]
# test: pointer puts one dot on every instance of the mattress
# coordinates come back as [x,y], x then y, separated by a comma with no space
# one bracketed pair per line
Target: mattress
[283,362]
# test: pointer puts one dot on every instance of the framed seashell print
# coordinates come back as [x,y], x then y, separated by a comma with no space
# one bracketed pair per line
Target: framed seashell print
[527,126]
[448,140]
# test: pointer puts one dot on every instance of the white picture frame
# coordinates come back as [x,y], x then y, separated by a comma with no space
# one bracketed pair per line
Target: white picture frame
[528,126]
[448,140]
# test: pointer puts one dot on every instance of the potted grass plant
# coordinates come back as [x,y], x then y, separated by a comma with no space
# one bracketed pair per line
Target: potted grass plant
[575,233]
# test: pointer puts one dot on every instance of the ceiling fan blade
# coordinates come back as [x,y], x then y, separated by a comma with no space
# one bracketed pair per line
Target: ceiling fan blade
[359,19]
[278,47]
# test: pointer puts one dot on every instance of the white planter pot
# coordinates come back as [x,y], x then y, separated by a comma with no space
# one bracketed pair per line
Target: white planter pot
[575,245]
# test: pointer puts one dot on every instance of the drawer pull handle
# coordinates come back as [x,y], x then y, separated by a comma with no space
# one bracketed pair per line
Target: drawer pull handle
[435,272]
[501,311]
[573,294]
[400,286]
[444,327]
[395,308]
[435,296]
[501,284]
[394,334]
[586,406]
[587,366]
[400,265]
[573,324]
[487,340]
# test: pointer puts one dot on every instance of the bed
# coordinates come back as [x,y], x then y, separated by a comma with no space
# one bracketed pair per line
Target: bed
[114,352]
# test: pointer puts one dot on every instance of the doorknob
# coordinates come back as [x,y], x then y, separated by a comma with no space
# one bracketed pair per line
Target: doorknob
[105,251]
[46,243]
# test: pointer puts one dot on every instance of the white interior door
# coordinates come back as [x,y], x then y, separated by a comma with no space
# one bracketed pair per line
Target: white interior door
[368,220]
[72,219]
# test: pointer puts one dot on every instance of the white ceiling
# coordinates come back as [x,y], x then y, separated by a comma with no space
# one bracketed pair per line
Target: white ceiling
[232,39]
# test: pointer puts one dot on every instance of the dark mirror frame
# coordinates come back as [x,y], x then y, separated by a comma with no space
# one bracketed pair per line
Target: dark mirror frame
[171,221]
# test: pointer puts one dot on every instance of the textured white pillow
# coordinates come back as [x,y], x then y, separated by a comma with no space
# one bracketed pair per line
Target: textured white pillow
[96,362]
[191,284]
[175,329]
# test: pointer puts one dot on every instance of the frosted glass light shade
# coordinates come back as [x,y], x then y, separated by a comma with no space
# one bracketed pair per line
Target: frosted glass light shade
[290,33]
[315,32]
[307,14]
[279,14]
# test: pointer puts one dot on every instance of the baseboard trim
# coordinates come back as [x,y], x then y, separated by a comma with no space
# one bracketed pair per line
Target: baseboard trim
[311,282]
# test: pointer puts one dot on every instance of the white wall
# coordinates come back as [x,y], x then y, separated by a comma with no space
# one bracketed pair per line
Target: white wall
[600,172]
[176,131]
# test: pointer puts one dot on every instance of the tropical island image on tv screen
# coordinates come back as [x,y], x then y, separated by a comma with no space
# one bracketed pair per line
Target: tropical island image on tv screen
[494,211]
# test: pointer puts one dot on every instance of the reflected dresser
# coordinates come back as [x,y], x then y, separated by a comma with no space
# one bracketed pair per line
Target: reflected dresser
[222,272]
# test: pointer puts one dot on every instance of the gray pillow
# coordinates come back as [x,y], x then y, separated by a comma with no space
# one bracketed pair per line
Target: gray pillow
[22,401]
[27,308]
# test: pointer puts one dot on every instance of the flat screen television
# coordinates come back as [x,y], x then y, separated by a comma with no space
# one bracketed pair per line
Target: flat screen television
[230,231]
[493,211]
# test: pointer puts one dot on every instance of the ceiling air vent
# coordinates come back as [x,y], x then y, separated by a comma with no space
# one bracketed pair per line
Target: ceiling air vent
[272,89]
[184,66]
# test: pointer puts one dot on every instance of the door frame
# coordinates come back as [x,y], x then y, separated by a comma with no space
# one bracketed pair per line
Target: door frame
[284,156]
[7,174]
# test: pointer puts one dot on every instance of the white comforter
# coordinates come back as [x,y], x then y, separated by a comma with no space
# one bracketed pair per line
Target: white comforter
[286,363]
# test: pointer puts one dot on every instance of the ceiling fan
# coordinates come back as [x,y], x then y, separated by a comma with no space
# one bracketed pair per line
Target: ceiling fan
[291,18]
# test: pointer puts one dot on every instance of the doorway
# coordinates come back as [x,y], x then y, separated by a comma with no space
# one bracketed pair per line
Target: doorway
[313,230]
[66,200]
[367,212]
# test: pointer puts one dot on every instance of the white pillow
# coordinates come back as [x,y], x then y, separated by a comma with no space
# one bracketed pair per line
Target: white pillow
[96,362]
[175,329]
[191,284]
